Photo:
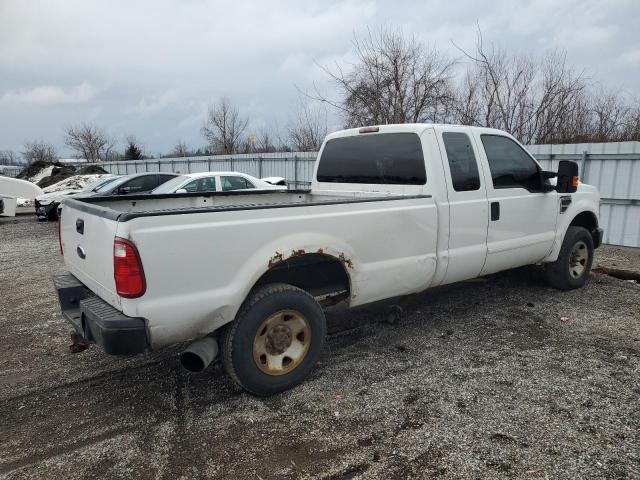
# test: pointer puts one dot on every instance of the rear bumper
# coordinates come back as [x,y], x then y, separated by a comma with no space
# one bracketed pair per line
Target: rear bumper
[97,321]
[597,235]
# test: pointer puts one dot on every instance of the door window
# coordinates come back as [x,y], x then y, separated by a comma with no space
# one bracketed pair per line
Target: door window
[462,161]
[510,165]
[235,183]
[207,184]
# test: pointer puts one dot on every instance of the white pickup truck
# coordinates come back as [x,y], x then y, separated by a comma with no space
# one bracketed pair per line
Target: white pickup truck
[393,210]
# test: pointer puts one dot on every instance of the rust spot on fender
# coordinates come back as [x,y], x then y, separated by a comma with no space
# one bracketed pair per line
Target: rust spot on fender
[297,253]
[347,261]
[277,258]
[320,251]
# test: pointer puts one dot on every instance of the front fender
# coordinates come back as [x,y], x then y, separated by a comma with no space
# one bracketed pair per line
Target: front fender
[579,204]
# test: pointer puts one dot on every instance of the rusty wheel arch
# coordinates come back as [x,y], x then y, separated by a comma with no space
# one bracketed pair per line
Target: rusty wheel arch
[322,274]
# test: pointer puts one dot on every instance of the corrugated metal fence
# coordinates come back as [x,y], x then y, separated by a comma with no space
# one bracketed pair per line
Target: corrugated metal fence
[612,167]
[615,169]
[9,170]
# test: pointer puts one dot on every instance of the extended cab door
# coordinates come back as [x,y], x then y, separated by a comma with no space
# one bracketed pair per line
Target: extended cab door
[468,208]
[522,216]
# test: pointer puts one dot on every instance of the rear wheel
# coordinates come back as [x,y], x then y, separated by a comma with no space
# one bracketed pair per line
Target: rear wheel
[572,268]
[275,340]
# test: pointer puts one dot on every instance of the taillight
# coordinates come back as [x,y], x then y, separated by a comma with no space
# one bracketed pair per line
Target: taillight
[127,269]
[60,234]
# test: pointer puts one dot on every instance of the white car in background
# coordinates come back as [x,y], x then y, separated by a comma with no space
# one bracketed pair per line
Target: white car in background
[215,182]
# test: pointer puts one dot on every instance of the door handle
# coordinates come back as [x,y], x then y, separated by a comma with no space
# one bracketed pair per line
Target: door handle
[495,211]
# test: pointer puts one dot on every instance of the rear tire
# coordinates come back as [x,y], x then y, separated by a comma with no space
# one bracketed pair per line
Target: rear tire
[573,265]
[275,340]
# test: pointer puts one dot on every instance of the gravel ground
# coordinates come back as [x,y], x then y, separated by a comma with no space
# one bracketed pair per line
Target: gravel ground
[493,378]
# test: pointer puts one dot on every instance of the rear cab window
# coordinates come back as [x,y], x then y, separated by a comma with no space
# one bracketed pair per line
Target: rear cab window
[384,158]
[462,161]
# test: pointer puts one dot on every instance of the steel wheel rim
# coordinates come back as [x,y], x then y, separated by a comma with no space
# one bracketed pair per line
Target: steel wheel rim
[281,342]
[578,259]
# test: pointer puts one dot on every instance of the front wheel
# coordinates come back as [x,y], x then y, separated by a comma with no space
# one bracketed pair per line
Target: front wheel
[573,265]
[275,340]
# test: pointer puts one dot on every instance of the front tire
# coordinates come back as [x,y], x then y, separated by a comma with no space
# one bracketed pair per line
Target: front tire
[275,340]
[573,265]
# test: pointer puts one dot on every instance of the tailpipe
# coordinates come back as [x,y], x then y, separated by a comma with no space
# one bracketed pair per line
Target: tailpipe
[199,354]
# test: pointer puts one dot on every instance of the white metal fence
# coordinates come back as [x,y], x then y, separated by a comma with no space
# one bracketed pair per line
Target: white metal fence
[615,169]
[612,167]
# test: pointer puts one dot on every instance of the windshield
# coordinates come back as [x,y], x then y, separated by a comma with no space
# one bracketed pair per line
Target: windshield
[171,185]
[94,186]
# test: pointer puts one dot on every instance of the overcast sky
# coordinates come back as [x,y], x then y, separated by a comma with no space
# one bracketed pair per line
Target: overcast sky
[150,67]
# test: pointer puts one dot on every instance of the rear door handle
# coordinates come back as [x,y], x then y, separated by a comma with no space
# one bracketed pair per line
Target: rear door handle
[495,211]
[80,226]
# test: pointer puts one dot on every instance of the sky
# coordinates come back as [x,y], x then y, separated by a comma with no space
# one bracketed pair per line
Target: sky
[151,67]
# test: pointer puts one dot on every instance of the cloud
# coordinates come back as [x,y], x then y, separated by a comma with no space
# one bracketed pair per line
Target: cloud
[49,95]
[632,56]
[150,67]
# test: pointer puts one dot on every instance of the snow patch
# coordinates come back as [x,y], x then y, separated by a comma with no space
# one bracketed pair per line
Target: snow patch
[45,172]
[74,184]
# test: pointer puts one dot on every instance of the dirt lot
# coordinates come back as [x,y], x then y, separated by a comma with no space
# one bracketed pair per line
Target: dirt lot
[498,377]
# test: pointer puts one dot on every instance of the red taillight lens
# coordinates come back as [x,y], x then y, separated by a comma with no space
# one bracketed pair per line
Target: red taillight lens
[127,269]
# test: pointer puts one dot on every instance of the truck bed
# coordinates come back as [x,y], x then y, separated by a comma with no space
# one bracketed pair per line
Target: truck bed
[124,208]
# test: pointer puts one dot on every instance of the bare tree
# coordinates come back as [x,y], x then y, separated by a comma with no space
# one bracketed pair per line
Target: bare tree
[527,97]
[631,128]
[39,151]
[266,142]
[309,130]
[89,142]
[224,127]
[180,150]
[396,79]
[9,157]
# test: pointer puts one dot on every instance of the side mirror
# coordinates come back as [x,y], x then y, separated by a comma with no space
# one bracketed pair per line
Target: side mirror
[567,177]
[181,190]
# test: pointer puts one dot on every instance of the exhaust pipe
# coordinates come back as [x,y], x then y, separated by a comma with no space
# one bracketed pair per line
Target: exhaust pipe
[199,354]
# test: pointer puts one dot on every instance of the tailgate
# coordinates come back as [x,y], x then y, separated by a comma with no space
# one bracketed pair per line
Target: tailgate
[87,232]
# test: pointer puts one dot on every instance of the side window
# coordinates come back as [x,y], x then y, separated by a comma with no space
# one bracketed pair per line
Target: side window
[207,184]
[191,187]
[510,165]
[140,184]
[235,183]
[462,161]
